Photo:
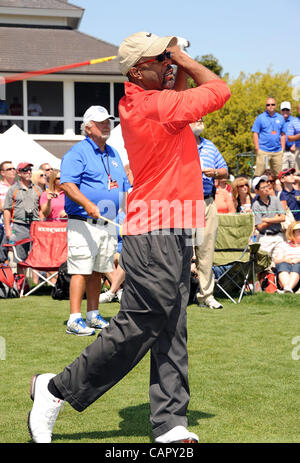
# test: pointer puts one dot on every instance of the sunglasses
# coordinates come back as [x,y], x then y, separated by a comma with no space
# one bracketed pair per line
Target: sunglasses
[28,169]
[287,174]
[47,170]
[9,169]
[271,181]
[270,104]
[243,184]
[57,178]
[160,58]
[42,175]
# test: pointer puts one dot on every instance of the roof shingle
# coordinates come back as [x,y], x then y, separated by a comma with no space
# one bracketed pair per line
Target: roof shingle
[28,49]
[48,4]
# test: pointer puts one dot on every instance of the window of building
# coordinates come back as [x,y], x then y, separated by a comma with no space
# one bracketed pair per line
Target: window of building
[14,98]
[38,107]
[45,99]
[45,104]
[118,93]
[91,94]
[46,127]
[12,106]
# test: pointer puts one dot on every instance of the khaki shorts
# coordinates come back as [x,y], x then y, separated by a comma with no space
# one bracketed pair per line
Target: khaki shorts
[91,248]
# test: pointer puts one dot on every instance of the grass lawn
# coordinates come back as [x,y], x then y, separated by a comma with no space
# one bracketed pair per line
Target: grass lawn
[245,385]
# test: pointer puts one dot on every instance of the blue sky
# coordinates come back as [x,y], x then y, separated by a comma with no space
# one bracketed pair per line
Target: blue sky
[243,35]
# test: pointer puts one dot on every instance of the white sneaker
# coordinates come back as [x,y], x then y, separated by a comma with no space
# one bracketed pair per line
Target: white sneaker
[108,296]
[178,434]
[97,322]
[80,328]
[211,302]
[288,290]
[119,294]
[45,410]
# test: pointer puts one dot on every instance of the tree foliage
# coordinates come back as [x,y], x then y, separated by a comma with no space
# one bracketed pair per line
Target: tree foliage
[230,128]
[210,62]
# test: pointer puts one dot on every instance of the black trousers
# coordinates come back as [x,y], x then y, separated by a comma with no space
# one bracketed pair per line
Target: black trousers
[152,316]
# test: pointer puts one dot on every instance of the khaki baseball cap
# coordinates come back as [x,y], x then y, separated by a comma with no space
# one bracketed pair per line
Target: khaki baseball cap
[140,44]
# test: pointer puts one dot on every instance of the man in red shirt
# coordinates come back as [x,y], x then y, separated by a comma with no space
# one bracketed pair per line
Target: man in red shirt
[164,205]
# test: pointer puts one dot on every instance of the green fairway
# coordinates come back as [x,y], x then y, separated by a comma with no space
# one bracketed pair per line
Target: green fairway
[245,384]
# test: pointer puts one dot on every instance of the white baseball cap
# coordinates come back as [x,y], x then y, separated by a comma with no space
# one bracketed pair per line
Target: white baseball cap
[141,44]
[97,114]
[257,180]
[285,105]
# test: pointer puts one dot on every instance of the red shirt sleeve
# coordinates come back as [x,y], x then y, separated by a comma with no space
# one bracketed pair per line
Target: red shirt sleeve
[176,109]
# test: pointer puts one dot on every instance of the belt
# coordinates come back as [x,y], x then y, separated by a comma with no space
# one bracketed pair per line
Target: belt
[269,232]
[208,196]
[85,219]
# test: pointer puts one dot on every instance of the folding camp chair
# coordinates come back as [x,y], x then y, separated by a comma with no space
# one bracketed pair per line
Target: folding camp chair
[236,258]
[48,251]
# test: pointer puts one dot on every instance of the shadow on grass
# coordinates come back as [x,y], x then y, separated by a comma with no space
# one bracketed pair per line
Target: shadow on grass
[135,422]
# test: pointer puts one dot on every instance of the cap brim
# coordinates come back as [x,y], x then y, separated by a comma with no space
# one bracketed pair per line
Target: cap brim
[24,166]
[292,171]
[159,45]
[96,119]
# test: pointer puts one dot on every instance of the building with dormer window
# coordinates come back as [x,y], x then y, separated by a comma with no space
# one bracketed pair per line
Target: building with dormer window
[41,34]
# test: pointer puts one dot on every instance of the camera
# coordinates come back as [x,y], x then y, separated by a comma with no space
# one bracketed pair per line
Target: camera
[29,215]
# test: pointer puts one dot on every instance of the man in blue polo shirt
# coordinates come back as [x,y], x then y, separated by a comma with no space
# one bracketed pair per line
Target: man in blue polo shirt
[289,196]
[94,181]
[288,160]
[293,134]
[269,139]
[213,166]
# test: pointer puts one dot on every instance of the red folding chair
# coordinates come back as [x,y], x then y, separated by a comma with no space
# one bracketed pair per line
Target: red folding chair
[48,250]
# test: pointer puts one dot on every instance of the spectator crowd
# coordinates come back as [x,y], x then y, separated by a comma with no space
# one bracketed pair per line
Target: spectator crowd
[154,260]
[273,195]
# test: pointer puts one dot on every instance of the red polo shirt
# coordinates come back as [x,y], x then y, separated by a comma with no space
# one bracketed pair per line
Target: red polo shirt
[162,152]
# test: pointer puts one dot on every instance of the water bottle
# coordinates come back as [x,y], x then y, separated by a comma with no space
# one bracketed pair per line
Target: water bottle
[12,238]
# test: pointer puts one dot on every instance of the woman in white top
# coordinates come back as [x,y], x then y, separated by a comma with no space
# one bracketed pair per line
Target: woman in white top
[287,259]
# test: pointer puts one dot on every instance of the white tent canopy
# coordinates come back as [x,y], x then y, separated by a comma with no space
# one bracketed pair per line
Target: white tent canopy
[117,142]
[17,146]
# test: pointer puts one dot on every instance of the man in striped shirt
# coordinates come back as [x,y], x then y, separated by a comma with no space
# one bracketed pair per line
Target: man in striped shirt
[213,166]
[293,135]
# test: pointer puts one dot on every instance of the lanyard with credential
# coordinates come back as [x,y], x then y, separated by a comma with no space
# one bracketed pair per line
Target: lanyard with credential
[272,127]
[107,170]
[111,183]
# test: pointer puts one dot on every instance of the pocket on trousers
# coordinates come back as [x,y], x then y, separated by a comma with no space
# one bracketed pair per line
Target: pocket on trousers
[79,252]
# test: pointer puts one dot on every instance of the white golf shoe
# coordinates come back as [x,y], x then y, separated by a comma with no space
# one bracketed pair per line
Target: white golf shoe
[177,435]
[45,410]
